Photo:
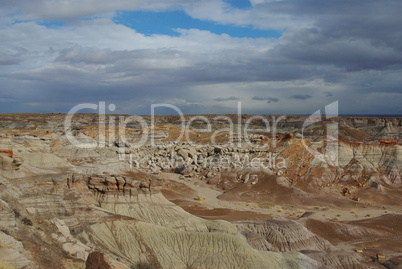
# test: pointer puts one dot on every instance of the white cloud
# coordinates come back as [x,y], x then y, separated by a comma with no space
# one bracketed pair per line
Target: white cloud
[92,60]
[262,15]
[259,16]
[75,9]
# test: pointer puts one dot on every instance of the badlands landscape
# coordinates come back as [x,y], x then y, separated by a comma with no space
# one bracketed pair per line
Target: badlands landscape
[234,193]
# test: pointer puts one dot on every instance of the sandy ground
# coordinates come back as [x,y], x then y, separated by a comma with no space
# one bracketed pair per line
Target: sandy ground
[212,205]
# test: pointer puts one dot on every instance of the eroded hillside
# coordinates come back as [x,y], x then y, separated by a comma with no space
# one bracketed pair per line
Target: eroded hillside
[237,193]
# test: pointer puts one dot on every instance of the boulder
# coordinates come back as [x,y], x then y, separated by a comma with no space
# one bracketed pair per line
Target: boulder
[246,178]
[218,150]
[78,250]
[186,152]
[62,227]
[99,260]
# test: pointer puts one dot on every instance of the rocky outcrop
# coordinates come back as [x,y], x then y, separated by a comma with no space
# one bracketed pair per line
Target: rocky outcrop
[142,200]
[386,159]
[103,184]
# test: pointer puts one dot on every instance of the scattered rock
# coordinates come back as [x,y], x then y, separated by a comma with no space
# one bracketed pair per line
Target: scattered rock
[380,256]
[31,211]
[77,250]
[62,227]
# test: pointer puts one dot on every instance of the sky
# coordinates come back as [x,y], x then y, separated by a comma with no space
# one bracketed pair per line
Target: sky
[273,56]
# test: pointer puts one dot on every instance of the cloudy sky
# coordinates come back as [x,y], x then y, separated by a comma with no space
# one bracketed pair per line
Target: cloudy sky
[273,56]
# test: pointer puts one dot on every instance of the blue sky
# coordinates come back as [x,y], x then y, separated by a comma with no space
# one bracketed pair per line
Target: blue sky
[275,57]
[166,23]
[239,3]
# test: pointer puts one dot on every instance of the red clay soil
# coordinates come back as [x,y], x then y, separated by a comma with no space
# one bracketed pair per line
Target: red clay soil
[96,260]
[268,190]
[391,223]
[173,190]
[183,196]
[382,234]
[225,214]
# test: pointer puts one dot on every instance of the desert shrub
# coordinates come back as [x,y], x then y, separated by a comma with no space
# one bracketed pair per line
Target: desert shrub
[27,221]
[16,213]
